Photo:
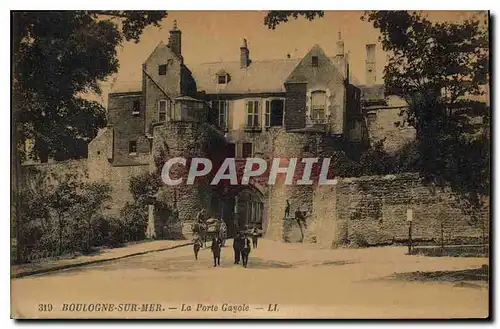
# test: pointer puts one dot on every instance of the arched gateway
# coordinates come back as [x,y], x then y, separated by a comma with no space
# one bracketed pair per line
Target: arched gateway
[241,207]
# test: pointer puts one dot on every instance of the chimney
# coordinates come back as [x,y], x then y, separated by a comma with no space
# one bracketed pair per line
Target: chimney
[340,46]
[347,68]
[371,77]
[244,55]
[174,41]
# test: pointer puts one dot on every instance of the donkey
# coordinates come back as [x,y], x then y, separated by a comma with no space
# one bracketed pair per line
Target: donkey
[245,251]
[216,250]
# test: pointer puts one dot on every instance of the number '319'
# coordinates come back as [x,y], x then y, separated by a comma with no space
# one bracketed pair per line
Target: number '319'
[45,307]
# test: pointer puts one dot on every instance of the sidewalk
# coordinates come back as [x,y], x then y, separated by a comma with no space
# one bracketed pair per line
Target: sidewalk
[105,255]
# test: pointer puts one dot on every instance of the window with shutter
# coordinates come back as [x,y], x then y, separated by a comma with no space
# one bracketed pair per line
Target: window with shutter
[318,106]
[253,114]
[164,110]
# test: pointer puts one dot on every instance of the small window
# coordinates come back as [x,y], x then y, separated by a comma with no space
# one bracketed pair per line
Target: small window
[318,100]
[231,150]
[267,114]
[163,110]
[132,147]
[222,79]
[273,115]
[222,113]
[247,150]
[136,108]
[253,114]
[162,69]
[371,116]
[315,61]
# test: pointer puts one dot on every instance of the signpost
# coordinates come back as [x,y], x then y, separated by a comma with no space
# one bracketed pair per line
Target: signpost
[409,219]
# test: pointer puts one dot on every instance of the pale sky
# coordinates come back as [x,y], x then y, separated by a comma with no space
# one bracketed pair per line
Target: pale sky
[209,36]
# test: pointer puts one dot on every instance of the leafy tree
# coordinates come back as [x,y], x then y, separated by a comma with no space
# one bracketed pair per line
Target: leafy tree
[62,199]
[144,186]
[135,222]
[33,219]
[91,202]
[57,57]
[442,70]
[276,17]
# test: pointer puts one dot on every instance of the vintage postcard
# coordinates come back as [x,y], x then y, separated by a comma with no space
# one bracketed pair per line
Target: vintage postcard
[250,165]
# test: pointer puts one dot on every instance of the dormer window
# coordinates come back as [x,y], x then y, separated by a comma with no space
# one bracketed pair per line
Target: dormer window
[315,61]
[222,79]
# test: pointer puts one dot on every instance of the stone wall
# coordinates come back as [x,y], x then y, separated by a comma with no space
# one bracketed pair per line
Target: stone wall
[101,168]
[375,209]
[370,211]
[288,145]
[127,127]
[50,174]
[387,123]
[160,87]
[119,179]
[177,139]
[323,228]
[296,105]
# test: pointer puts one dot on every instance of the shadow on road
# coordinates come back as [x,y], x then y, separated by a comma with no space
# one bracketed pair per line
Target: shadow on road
[259,263]
[333,263]
[461,276]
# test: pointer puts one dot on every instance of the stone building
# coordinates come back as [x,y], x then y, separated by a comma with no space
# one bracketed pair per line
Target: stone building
[303,107]
[283,108]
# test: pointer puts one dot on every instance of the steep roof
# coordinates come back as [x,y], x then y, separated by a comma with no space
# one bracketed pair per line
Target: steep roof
[326,68]
[262,76]
[258,77]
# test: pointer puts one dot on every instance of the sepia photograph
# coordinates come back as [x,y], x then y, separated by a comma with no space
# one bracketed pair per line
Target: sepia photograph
[250,164]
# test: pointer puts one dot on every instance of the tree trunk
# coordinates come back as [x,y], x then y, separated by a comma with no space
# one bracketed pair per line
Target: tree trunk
[60,234]
[89,235]
[16,189]
[16,166]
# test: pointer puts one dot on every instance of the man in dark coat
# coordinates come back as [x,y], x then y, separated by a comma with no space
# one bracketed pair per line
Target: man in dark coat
[216,250]
[245,250]
[255,236]
[287,209]
[237,248]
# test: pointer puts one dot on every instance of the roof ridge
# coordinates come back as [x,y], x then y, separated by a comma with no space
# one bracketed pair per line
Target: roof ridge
[252,61]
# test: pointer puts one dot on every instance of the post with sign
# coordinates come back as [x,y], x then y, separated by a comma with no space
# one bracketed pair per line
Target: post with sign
[409,219]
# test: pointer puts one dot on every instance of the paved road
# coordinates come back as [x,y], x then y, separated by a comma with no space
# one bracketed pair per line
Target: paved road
[304,281]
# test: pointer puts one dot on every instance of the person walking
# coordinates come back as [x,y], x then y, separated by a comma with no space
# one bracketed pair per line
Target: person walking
[287,209]
[255,236]
[216,250]
[237,248]
[245,250]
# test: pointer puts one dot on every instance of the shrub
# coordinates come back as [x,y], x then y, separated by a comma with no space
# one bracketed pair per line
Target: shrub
[116,233]
[359,241]
[135,221]
[108,231]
